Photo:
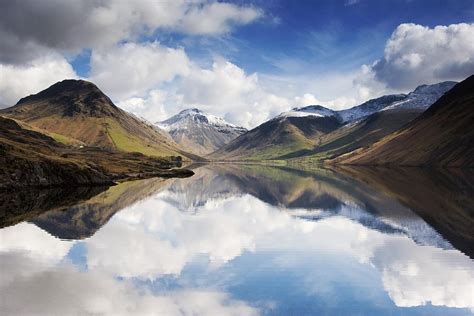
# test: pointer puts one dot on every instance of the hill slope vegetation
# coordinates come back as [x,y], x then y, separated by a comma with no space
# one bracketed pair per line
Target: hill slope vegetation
[441,136]
[78,112]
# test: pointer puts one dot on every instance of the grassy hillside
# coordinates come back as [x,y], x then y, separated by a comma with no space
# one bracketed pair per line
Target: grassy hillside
[360,134]
[77,112]
[277,138]
[29,158]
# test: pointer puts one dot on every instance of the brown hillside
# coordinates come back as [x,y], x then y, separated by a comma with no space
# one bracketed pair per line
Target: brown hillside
[74,111]
[442,136]
[29,158]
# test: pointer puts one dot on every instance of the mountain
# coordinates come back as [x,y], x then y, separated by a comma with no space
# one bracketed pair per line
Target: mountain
[420,99]
[78,112]
[441,136]
[291,131]
[357,127]
[394,111]
[370,107]
[199,132]
[355,135]
[30,158]
[303,134]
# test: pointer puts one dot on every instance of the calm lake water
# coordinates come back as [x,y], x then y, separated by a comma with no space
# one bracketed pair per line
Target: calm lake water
[244,240]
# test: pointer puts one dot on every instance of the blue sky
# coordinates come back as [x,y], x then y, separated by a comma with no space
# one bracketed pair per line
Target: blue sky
[243,60]
[312,36]
[328,35]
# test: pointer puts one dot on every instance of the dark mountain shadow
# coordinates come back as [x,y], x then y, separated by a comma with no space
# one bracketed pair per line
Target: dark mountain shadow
[85,219]
[26,204]
[442,197]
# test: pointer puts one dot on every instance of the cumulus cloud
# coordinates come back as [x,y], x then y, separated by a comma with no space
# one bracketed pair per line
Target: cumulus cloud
[416,55]
[17,81]
[228,90]
[157,105]
[217,17]
[131,69]
[335,104]
[224,89]
[415,276]
[33,242]
[66,291]
[30,28]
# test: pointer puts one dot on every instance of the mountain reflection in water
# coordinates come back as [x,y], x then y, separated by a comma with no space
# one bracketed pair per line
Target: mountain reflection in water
[248,239]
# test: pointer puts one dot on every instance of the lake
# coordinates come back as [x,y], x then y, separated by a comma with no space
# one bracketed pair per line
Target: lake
[244,240]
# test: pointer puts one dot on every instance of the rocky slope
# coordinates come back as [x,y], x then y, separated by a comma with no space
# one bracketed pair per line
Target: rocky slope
[78,112]
[372,106]
[392,113]
[29,158]
[419,99]
[441,136]
[199,132]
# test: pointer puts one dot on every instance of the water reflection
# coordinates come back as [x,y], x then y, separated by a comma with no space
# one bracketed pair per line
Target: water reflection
[243,240]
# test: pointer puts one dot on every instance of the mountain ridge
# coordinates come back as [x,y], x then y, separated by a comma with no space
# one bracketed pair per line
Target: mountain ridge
[302,132]
[440,136]
[73,111]
[202,133]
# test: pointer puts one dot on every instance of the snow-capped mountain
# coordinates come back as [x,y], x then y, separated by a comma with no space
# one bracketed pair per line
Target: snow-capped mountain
[310,110]
[200,132]
[370,107]
[421,98]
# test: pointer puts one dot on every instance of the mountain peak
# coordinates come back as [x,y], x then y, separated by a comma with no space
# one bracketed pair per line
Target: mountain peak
[69,98]
[68,86]
[309,110]
[434,88]
[190,111]
[202,131]
[194,115]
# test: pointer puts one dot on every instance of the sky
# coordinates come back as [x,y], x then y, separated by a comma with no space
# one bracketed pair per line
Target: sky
[243,60]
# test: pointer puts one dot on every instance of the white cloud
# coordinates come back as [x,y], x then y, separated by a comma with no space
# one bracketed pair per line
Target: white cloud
[416,55]
[72,26]
[416,275]
[64,290]
[19,81]
[227,90]
[33,242]
[223,89]
[169,239]
[132,69]
[335,104]
[156,106]
[217,18]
